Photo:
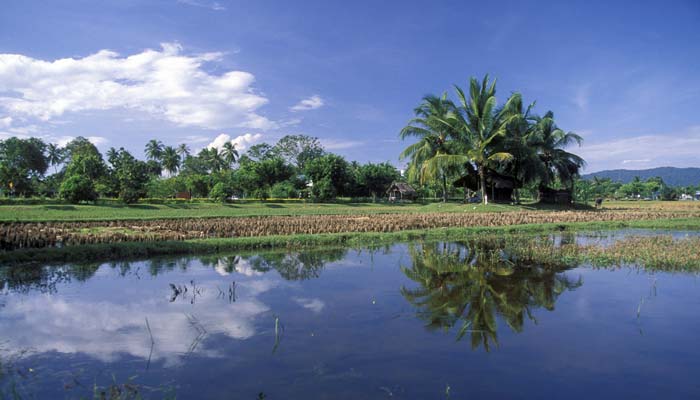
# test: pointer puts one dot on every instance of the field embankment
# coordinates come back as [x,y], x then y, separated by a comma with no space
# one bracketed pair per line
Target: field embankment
[19,235]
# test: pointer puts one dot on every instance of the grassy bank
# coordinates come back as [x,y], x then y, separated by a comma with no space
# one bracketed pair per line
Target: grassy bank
[137,250]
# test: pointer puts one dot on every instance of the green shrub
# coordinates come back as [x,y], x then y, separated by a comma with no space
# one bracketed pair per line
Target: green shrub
[220,192]
[284,190]
[77,188]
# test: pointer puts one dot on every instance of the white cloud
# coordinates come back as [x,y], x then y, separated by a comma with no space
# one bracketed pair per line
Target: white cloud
[332,144]
[216,6]
[677,149]
[311,103]
[164,83]
[196,139]
[64,140]
[242,141]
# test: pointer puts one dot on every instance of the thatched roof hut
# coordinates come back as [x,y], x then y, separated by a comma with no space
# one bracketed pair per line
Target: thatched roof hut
[499,188]
[401,191]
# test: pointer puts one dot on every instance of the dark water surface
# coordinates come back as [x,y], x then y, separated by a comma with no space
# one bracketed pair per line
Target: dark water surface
[408,321]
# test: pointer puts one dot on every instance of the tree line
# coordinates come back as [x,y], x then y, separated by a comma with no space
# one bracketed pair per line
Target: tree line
[295,166]
[474,136]
[653,188]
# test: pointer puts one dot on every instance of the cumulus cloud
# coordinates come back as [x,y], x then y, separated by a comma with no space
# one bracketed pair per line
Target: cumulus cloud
[64,140]
[679,149]
[311,103]
[165,83]
[242,142]
[5,122]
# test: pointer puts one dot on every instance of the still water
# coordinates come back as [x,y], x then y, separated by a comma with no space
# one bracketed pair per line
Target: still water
[409,321]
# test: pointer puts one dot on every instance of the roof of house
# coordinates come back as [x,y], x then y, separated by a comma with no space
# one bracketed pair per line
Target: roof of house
[402,187]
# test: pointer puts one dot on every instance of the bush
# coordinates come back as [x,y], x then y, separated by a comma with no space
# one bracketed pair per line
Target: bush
[284,190]
[220,192]
[323,190]
[77,188]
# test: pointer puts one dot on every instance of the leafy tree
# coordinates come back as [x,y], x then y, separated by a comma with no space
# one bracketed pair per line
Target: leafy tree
[77,188]
[330,175]
[299,149]
[374,179]
[21,161]
[220,192]
[132,177]
[81,145]
[260,152]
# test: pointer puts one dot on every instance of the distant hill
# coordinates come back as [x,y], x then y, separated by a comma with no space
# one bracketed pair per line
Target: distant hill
[671,175]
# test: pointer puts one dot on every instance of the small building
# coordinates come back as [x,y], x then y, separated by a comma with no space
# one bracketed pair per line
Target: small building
[183,195]
[554,196]
[401,191]
[499,188]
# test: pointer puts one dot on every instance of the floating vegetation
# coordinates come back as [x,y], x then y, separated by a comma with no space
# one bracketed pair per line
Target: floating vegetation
[20,235]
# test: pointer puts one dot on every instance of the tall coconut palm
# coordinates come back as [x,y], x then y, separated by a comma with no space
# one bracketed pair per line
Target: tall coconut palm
[171,160]
[230,153]
[435,153]
[213,159]
[520,140]
[557,161]
[154,150]
[478,124]
[55,155]
[112,155]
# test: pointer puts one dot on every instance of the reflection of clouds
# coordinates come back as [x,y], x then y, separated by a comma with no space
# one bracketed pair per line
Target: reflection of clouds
[315,305]
[104,329]
[242,267]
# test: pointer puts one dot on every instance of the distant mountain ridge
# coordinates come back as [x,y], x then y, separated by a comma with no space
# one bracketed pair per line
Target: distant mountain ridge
[671,175]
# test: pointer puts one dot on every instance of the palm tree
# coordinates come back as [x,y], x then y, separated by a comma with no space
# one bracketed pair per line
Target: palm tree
[154,150]
[212,158]
[112,155]
[520,140]
[171,160]
[557,161]
[435,153]
[183,150]
[55,155]
[230,153]
[479,124]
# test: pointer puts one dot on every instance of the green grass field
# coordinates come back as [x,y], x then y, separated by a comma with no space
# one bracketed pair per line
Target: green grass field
[117,211]
[60,212]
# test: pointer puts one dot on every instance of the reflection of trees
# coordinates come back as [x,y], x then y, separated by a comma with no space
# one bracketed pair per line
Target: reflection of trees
[469,284]
[44,279]
[291,266]
[296,266]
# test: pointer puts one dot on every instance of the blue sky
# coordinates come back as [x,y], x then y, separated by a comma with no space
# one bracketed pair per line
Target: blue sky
[626,76]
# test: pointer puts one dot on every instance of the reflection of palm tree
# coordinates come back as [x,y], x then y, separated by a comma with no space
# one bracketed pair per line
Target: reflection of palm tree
[469,284]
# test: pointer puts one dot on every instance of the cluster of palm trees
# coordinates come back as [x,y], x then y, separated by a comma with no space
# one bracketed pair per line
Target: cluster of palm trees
[475,135]
[172,159]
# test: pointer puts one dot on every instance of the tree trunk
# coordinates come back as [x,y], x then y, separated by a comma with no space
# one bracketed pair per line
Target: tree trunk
[482,177]
[444,188]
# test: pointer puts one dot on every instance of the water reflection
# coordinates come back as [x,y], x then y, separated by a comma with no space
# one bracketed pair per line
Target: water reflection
[468,284]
